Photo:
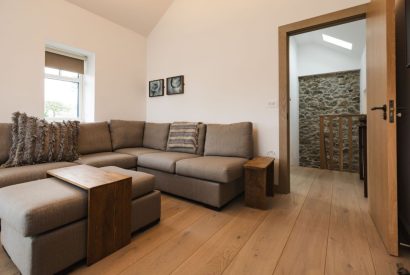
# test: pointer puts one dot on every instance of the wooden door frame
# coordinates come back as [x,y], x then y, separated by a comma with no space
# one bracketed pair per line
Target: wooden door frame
[312,24]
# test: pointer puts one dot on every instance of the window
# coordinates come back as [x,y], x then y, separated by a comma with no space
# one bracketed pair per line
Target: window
[62,94]
[63,86]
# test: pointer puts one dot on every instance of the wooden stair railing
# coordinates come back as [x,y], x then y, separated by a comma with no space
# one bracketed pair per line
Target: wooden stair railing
[327,144]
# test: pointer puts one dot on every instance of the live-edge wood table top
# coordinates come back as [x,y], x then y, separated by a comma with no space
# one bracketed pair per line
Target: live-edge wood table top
[85,176]
[258,163]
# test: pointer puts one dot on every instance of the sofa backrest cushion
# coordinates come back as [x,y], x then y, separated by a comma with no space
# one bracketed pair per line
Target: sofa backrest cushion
[201,143]
[229,140]
[126,134]
[156,135]
[5,141]
[94,138]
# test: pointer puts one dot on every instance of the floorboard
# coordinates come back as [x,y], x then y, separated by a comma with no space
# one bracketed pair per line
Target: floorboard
[348,251]
[274,232]
[142,244]
[6,265]
[305,251]
[174,252]
[224,245]
[322,227]
[382,261]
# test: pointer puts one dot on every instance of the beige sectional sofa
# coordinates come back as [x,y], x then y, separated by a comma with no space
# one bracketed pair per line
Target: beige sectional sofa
[212,175]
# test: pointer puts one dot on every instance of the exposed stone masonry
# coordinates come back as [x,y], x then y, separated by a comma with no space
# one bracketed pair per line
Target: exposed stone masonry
[333,93]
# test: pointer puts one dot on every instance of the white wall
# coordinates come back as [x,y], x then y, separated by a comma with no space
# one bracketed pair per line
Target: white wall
[363,84]
[294,101]
[317,59]
[228,52]
[120,57]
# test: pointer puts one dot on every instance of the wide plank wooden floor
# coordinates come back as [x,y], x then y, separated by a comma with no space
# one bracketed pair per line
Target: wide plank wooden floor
[322,227]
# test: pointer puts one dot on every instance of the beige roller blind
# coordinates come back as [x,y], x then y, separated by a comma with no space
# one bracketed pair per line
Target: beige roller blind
[66,63]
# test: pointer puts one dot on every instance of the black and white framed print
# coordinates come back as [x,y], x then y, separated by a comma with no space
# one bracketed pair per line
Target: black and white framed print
[156,88]
[175,85]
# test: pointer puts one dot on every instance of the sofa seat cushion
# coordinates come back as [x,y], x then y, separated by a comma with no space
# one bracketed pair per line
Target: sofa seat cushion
[16,175]
[142,183]
[137,151]
[163,161]
[108,159]
[35,207]
[217,169]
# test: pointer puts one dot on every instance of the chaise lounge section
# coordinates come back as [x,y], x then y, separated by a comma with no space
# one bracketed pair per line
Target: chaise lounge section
[44,222]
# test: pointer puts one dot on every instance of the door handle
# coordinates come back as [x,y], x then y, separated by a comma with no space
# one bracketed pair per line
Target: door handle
[381,108]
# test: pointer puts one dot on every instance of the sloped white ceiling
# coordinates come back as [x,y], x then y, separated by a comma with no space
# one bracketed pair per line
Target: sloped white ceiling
[353,32]
[140,16]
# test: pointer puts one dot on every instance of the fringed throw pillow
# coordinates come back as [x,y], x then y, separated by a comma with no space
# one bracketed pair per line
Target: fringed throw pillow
[183,137]
[35,140]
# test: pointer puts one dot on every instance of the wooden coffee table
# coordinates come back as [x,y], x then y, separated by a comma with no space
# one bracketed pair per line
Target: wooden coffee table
[109,207]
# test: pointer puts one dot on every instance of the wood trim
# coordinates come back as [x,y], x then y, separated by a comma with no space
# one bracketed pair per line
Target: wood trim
[331,143]
[322,144]
[350,129]
[319,22]
[341,144]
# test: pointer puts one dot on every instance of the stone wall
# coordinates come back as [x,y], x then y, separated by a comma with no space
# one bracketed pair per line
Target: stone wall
[327,94]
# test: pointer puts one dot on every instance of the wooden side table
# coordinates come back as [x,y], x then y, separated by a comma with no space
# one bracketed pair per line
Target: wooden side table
[259,182]
[109,207]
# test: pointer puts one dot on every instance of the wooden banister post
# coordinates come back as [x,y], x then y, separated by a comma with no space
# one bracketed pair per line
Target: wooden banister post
[341,143]
[322,144]
[350,144]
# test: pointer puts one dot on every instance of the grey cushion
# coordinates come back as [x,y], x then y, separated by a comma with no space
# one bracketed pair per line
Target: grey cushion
[108,159]
[229,140]
[156,135]
[163,161]
[125,134]
[201,142]
[142,183]
[35,207]
[15,175]
[94,138]
[5,141]
[138,151]
[218,169]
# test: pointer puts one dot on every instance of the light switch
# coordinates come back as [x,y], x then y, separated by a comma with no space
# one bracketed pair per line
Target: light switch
[271,104]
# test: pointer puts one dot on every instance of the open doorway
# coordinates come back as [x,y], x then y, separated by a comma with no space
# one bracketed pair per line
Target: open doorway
[327,97]
[381,125]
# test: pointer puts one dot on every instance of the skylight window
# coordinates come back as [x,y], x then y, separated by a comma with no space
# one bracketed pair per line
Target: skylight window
[337,42]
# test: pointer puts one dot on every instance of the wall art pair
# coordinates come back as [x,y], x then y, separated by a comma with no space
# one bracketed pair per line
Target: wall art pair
[175,86]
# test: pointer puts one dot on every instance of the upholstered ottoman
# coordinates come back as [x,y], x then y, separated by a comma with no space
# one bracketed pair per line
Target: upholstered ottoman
[44,223]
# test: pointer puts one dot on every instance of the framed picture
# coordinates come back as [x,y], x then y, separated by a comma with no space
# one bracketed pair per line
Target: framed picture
[156,88]
[175,85]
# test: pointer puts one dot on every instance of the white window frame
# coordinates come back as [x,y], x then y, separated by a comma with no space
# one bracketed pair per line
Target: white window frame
[80,82]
